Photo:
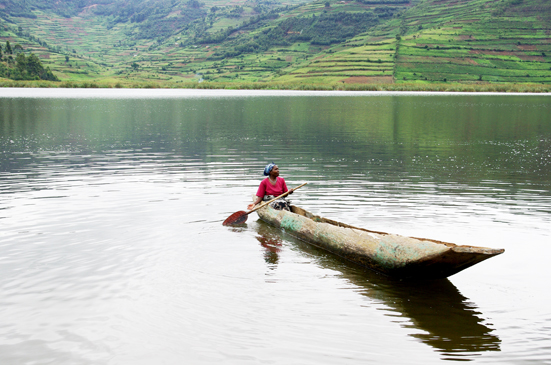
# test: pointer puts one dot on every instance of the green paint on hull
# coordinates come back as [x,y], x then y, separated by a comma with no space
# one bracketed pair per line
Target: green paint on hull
[291,223]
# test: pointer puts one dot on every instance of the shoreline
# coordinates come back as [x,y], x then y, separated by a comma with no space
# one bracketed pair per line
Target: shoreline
[123,93]
[401,88]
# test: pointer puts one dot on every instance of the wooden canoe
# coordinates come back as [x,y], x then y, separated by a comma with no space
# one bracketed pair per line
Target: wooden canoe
[390,254]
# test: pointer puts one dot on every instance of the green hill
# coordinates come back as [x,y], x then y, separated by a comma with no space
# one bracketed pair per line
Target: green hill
[498,41]
[320,42]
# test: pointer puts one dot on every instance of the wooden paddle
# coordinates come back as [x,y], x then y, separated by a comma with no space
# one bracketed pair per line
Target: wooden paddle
[241,216]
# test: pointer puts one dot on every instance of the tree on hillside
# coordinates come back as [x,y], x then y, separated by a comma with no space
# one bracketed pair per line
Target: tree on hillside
[194,4]
[21,62]
[8,48]
[27,68]
[34,66]
[18,49]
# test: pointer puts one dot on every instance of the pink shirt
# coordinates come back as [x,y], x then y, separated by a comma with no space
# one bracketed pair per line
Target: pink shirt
[267,188]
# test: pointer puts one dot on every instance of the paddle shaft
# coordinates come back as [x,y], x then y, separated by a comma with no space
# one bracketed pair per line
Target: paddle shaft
[274,199]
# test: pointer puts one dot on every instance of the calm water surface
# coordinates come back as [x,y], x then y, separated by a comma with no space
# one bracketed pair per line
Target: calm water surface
[112,249]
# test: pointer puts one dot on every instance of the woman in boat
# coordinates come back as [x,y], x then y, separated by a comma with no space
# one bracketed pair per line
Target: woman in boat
[270,187]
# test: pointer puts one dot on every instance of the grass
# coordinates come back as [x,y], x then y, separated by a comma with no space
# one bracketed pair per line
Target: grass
[336,86]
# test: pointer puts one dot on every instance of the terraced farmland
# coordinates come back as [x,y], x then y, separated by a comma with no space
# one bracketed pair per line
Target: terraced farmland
[361,64]
[420,41]
[473,41]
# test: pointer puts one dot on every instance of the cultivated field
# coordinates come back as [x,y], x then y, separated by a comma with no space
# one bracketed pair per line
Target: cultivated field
[416,42]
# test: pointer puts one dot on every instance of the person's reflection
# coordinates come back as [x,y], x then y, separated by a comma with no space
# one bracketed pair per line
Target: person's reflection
[271,241]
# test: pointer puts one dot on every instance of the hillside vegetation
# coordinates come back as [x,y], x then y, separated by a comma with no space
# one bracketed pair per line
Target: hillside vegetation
[328,42]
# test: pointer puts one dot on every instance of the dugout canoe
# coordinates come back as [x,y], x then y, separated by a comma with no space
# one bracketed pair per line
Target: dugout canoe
[391,254]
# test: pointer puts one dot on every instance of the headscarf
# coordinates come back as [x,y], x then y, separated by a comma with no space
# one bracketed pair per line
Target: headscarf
[268,168]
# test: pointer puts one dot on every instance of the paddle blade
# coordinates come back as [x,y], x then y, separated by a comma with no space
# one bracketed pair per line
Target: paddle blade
[236,218]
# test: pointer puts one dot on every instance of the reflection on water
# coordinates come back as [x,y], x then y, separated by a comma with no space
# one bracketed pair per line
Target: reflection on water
[453,325]
[112,249]
[448,321]
[271,241]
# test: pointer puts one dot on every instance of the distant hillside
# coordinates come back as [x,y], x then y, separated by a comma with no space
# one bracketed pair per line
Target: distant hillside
[476,40]
[324,41]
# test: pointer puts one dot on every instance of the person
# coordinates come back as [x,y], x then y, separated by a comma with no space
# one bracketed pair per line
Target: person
[270,187]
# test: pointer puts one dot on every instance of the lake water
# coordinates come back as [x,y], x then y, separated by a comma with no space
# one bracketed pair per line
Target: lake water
[112,249]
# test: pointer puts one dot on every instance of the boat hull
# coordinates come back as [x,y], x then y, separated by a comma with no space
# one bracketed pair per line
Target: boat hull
[390,254]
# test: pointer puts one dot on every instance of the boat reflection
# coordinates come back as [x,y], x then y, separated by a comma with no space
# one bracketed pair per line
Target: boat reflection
[440,315]
[451,324]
